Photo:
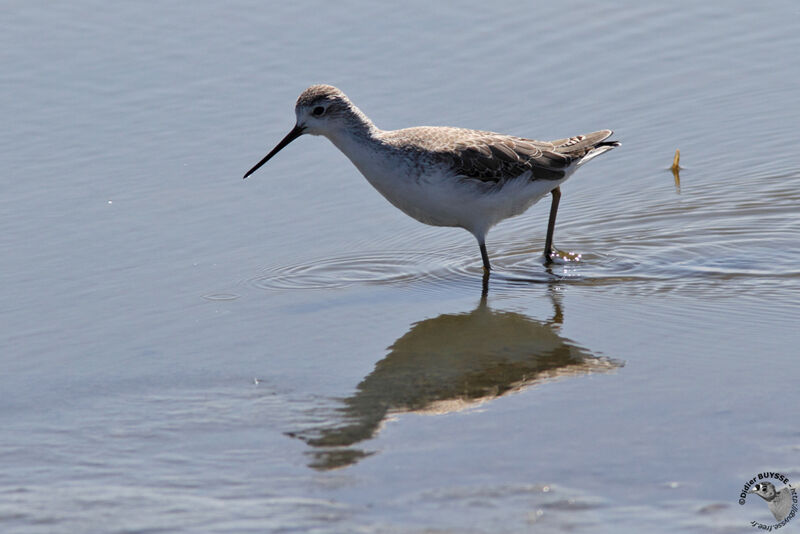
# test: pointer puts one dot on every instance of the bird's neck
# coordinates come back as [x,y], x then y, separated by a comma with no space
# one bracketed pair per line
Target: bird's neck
[362,142]
[356,135]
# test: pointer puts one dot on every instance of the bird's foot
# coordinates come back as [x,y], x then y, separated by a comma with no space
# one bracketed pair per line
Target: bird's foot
[560,256]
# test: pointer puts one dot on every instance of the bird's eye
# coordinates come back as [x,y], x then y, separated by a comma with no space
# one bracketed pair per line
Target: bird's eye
[318,111]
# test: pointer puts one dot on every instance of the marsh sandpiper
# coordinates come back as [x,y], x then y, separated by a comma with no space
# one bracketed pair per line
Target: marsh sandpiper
[446,176]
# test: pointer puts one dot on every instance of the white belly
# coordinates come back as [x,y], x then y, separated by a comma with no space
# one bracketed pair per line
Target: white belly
[441,199]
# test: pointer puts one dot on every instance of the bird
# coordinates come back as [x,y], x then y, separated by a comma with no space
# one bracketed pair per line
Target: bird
[778,501]
[447,176]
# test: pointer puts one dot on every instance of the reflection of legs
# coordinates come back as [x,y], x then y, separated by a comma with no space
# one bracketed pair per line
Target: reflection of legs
[555,297]
[485,258]
[548,243]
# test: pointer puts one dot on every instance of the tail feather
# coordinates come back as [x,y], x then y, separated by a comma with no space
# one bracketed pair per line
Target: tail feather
[595,144]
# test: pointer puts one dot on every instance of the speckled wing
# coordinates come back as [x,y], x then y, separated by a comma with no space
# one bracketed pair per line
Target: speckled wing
[495,158]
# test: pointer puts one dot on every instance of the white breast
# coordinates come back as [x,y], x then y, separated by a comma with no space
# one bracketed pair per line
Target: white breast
[435,196]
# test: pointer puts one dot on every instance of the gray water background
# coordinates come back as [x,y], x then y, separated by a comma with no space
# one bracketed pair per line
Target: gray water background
[184,351]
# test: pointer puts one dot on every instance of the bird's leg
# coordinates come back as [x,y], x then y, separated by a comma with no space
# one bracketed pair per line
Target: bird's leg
[485,257]
[548,243]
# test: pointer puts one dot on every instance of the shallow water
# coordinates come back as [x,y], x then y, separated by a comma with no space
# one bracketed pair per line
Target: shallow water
[185,351]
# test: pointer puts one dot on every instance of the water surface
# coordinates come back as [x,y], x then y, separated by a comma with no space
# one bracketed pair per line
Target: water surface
[185,351]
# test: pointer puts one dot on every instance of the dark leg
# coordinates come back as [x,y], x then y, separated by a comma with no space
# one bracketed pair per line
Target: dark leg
[548,243]
[485,257]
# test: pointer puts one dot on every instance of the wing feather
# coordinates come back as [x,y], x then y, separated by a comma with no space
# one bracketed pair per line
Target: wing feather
[493,157]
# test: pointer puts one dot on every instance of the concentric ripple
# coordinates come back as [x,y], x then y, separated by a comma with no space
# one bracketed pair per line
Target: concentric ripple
[456,266]
[639,267]
[395,267]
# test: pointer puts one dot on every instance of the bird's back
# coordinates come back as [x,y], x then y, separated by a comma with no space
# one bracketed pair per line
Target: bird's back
[494,157]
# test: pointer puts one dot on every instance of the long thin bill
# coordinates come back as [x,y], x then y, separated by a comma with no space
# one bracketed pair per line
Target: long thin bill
[296,132]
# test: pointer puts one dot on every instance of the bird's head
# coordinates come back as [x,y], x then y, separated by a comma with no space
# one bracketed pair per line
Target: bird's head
[765,490]
[320,110]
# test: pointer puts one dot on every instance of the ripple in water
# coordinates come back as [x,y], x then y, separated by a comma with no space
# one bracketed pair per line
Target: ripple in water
[456,266]
[221,296]
[397,267]
[517,268]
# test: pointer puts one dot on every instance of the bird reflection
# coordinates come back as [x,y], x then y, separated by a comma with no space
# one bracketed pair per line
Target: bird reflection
[446,364]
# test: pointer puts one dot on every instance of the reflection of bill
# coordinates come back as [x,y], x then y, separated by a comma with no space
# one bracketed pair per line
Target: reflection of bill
[448,363]
[779,501]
